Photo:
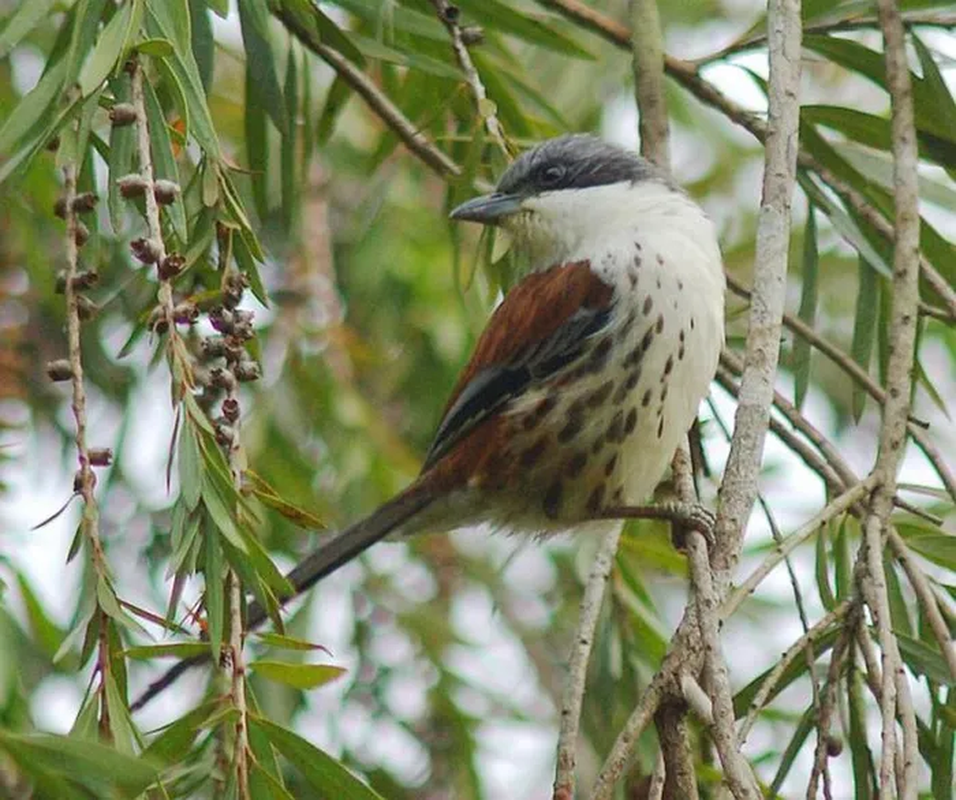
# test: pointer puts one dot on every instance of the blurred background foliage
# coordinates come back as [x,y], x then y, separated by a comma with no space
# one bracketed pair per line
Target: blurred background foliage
[454,646]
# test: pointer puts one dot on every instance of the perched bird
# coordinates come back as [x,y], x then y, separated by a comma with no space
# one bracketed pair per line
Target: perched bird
[588,373]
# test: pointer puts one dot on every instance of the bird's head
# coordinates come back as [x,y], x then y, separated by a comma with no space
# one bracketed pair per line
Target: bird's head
[560,195]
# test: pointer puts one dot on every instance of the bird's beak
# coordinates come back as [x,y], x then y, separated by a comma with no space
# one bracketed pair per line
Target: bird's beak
[488,209]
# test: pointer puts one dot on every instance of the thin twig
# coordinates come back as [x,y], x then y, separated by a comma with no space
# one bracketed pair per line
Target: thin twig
[927,600]
[377,100]
[647,53]
[899,372]
[737,772]
[802,645]
[573,698]
[84,481]
[839,357]
[680,777]
[834,508]
[448,15]
[237,682]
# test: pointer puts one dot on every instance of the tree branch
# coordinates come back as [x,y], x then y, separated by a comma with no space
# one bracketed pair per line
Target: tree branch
[448,15]
[573,698]
[647,52]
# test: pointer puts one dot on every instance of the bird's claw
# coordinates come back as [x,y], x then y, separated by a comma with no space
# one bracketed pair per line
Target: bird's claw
[691,517]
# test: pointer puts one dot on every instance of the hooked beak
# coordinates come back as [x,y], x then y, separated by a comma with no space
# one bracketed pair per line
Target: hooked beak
[488,209]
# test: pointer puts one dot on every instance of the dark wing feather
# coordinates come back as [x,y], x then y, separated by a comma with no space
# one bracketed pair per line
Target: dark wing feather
[541,327]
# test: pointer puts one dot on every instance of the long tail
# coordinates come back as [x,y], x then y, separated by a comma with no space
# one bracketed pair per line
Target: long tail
[334,552]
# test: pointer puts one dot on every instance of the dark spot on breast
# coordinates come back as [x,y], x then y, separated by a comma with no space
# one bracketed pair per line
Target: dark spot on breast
[576,409]
[632,275]
[646,400]
[637,246]
[571,428]
[600,395]
[682,335]
[633,379]
[618,497]
[531,456]
[611,463]
[631,422]
[669,365]
[664,393]
[692,323]
[576,464]
[552,500]
[659,325]
[660,428]
[625,329]
[648,305]
[598,445]
[646,341]
[660,259]
[680,285]
[659,280]
[615,431]
[680,353]
[632,358]
[596,499]
[599,354]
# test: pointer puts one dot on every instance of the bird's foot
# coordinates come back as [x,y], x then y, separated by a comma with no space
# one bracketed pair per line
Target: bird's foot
[684,517]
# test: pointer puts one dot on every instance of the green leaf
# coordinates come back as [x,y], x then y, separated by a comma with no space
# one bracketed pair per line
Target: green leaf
[290,169]
[203,43]
[167,650]
[31,108]
[23,20]
[373,49]
[100,769]
[220,513]
[169,19]
[899,613]
[793,748]
[299,676]
[939,548]
[122,147]
[808,307]
[261,77]
[157,48]
[110,50]
[504,18]
[45,632]
[335,99]
[320,771]
[938,94]
[924,660]
[287,642]
[864,776]
[257,153]
[175,742]
[822,569]
[164,162]
[190,469]
[864,328]
[214,596]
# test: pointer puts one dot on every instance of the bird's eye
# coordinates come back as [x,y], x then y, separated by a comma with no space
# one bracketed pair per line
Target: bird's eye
[551,175]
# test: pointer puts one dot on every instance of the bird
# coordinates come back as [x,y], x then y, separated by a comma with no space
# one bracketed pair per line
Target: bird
[590,370]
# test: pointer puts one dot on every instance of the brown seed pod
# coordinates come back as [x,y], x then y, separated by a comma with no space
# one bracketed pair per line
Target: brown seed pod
[59,370]
[212,347]
[122,114]
[221,319]
[225,434]
[146,250]
[165,191]
[84,202]
[834,746]
[222,378]
[81,234]
[230,409]
[171,266]
[186,313]
[100,456]
[132,185]
[59,208]
[247,371]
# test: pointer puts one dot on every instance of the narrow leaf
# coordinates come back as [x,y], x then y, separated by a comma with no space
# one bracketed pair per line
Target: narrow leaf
[808,307]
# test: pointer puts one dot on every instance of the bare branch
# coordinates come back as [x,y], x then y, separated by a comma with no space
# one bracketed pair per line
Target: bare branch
[448,14]
[802,645]
[680,777]
[578,662]
[837,506]
[647,49]
[737,771]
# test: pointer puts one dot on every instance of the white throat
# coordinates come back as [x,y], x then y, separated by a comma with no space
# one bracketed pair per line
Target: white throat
[578,224]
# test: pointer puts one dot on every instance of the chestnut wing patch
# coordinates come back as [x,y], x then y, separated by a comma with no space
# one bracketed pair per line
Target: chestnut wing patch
[541,327]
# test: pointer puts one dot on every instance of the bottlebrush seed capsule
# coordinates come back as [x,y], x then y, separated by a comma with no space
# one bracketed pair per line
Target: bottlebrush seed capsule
[84,202]
[165,191]
[123,114]
[133,185]
[59,370]
[146,250]
[100,456]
